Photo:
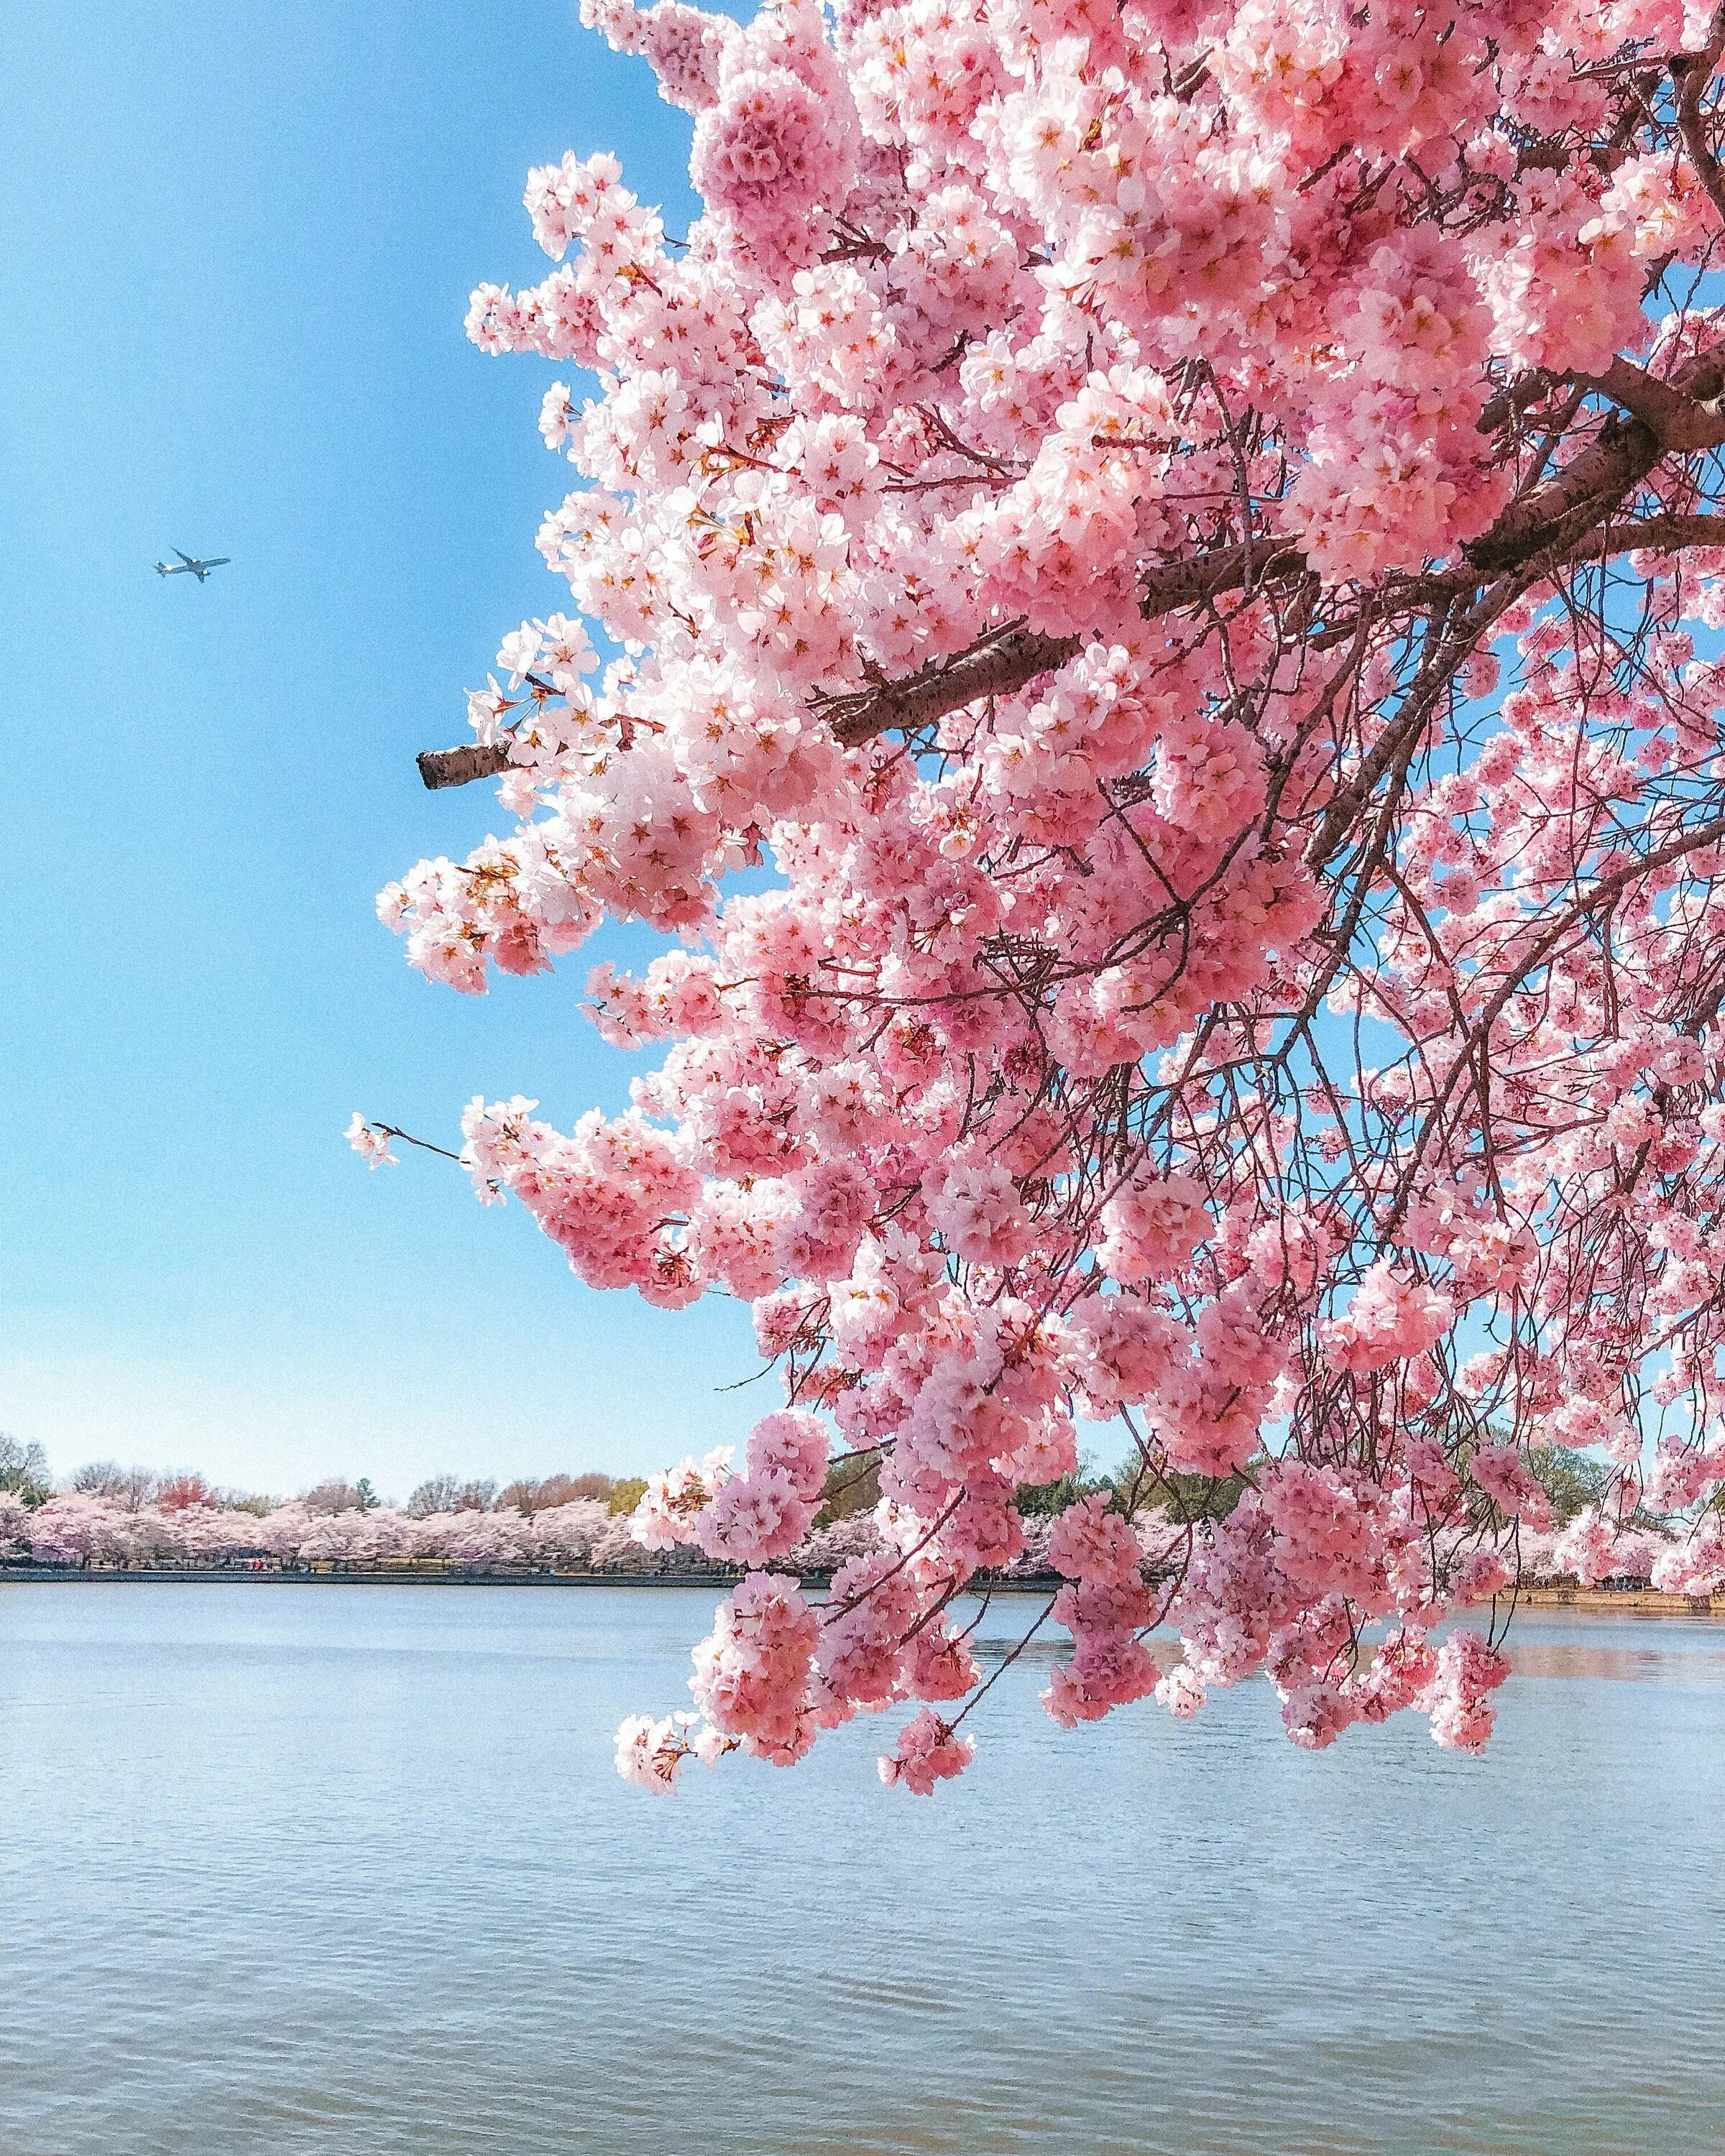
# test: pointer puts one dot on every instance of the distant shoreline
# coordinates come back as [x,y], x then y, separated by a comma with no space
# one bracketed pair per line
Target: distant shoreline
[327,1576]
[1621,1602]
[1583,1602]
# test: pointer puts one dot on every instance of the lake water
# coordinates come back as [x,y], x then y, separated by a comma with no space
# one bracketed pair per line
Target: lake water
[347,1869]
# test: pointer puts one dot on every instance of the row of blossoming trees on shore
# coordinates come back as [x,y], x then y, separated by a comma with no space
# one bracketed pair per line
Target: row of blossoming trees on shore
[73,1529]
[1191,535]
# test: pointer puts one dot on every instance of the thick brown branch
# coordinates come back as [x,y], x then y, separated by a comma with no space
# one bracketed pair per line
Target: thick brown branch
[1015,659]
[999,670]
[1662,535]
[461,766]
[1557,517]
[1562,508]
[1683,420]
[1560,516]
[1565,518]
[1514,399]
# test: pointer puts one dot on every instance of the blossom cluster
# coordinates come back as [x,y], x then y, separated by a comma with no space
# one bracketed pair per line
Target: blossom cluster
[1178,532]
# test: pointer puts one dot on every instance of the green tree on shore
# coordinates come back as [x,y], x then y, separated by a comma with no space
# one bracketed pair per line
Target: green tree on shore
[24,1469]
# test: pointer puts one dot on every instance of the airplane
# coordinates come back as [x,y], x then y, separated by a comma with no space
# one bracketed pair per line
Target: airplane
[188,565]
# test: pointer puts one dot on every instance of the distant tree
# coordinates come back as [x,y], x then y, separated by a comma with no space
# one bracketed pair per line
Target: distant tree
[628,1493]
[1186,1498]
[181,1492]
[576,1487]
[253,1501]
[436,1494]
[1572,1480]
[449,1493]
[1036,1498]
[367,1496]
[529,1496]
[24,1469]
[129,1488]
[337,1496]
[852,1486]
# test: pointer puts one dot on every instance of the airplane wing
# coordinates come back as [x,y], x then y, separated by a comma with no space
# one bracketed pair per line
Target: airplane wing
[186,558]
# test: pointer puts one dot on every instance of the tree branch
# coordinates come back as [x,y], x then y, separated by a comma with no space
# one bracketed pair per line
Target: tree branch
[1651,535]
[1016,659]
[1566,517]
[1606,888]
[999,668]
[1690,73]
[1563,508]
[1683,421]
[461,766]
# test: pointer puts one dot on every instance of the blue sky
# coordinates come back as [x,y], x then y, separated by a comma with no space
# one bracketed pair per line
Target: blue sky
[241,241]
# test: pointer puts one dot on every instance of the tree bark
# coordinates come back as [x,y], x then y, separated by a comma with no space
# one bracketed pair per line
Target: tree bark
[461,766]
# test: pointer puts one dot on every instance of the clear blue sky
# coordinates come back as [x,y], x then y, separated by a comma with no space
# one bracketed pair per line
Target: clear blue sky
[240,241]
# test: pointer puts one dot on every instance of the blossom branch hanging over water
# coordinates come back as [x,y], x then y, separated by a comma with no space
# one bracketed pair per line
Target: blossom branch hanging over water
[1191,537]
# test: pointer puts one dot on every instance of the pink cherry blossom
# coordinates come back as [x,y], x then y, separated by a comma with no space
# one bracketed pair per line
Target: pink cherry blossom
[1390,1318]
[1159,572]
[927,1751]
[370,1142]
[1505,1476]
[754,1518]
[1458,1697]
[751,1675]
[1180,1692]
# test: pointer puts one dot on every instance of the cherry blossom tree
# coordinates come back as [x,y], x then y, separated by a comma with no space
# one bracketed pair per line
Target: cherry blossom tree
[14,1520]
[78,1528]
[1187,535]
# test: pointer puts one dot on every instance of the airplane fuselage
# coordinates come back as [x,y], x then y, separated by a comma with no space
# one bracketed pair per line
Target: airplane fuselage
[189,566]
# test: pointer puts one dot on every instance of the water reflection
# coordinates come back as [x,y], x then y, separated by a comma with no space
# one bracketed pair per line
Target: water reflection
[1672,1664]
[1685,1663]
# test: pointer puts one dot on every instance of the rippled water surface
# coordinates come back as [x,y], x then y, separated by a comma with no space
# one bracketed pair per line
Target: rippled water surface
[346,1868]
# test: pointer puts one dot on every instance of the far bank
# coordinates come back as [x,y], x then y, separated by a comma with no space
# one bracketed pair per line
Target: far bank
[1590,1602]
